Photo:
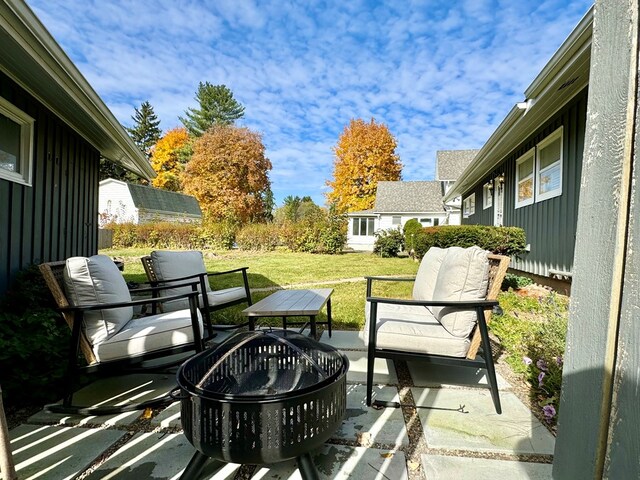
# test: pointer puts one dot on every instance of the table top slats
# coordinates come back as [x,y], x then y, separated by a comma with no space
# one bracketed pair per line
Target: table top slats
[290,303]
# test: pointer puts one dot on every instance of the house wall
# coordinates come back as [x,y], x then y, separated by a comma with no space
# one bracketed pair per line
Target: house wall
[386,220]
[361,242]
[550,225]
[55,217]
[122,208]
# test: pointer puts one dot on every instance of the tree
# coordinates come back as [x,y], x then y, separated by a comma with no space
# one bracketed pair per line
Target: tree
[216,107]
[295,209]
[168,159]
[365,154]
[228,173]
[145,131]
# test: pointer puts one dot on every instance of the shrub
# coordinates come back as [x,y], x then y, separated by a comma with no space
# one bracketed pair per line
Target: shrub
[388,243]
[515,282]
[411,231]
[218,235]
[258,237]
[501,240]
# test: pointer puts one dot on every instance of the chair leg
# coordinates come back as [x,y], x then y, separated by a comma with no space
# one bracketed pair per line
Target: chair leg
[370,361]
[493,382]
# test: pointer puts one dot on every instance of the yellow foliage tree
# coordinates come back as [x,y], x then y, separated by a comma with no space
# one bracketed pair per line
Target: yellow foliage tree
[365,154]
[167,159]
[228,173]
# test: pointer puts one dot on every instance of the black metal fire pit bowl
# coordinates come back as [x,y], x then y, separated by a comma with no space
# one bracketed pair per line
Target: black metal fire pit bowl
[262,397]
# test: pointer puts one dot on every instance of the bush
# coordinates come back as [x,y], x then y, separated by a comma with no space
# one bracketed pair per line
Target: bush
[515,282]
[34,341]
[533,333]
[258,237]
[388,243]
[218,235]
[501,240]
[411,231]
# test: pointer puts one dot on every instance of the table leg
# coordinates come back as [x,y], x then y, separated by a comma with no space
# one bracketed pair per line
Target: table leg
[329,315]
[312,319]
[252,323]
[284,323]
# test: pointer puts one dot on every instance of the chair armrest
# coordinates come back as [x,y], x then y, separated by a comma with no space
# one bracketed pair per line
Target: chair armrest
[463,304]
[157,288]
[391,279]
[177,279]
[241,269]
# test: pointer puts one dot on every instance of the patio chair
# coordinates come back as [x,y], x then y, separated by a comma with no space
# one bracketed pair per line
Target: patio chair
[446,321]
[94,300]
[164,267]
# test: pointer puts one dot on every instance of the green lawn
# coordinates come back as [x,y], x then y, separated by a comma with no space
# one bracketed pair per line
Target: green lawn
[283,269]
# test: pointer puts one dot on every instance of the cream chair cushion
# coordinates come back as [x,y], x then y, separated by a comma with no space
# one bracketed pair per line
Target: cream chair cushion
[463,275]
[168,265]
[425,282]
[94,280]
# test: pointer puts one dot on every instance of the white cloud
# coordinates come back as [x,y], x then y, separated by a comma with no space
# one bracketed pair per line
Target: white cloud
[440,74]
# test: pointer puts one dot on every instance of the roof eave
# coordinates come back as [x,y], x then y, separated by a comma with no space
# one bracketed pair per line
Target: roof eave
[40,66]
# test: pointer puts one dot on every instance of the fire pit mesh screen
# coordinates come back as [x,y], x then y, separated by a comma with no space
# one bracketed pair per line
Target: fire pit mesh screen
[263,397]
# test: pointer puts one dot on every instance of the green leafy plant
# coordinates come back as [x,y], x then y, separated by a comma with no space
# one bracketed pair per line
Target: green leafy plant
[411,231]
[515,282]
[500,240]
[388,243]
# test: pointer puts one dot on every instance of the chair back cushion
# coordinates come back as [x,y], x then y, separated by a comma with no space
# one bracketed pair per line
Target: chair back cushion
[425,282]
[463,275]
[94,280]
[169,265]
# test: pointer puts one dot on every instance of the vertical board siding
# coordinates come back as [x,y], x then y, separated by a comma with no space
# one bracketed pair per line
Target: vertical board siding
[55,217]
[550,225]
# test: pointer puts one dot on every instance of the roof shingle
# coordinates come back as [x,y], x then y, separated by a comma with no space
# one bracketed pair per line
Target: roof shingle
[451,163]
[163,200]
[409,197]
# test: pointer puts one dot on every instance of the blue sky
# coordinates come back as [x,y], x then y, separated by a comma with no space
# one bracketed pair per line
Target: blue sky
[440,74]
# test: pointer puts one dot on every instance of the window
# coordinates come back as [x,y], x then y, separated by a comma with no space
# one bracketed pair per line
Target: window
[487,195]
[524,179]
[363,226]
[396,220]
[469,206]
[429,222]
[16,138]
[549,167]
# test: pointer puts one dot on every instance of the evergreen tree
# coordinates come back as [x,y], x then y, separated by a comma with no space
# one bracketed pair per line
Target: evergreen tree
[146,131]
[216,107]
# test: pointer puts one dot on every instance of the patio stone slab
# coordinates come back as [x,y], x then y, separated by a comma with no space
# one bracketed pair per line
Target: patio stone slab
[385,426]
[157,456]
[112,391]
[338,462]
[431,375]
[57,452]
[438,467]
[169,417]
[383,370]
[482,429]
[343,339]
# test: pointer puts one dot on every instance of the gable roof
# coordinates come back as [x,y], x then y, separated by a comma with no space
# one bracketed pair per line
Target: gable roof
[451,163]
[150,198]
[409,197]
[32,58]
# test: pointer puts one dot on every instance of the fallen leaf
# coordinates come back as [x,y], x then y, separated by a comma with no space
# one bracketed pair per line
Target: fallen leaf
[387,455]
[413,465]
[148,413]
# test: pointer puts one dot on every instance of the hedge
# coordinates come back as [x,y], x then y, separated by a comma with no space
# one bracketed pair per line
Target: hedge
[501,240]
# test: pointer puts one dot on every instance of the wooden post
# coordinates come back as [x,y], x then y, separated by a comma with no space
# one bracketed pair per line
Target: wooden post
[598,432]
[6,460]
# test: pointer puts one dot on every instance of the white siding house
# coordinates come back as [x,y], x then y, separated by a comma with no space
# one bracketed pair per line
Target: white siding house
[123,202]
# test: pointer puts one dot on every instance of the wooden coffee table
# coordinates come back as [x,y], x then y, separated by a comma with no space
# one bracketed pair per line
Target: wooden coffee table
[293,303]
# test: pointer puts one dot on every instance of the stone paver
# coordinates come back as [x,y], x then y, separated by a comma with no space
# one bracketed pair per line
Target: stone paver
[437,467]
[169,417]
[384,426]
[157,456]
[349,340]
[112,391]
[338,462]
[384,371]
[57,452]
[430,375]
[482,429]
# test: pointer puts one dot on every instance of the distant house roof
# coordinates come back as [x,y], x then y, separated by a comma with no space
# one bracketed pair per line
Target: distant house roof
[451,163]
[409,197]
[150,198]
[362,213]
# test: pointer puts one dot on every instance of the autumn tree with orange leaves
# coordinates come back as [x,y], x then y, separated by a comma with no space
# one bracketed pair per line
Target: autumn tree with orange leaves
[228,173]
[168,159]
[365,155]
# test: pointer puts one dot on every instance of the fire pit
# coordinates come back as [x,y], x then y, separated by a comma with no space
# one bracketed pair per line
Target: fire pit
[262,397]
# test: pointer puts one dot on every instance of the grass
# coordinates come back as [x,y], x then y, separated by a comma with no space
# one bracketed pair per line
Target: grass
[284,269]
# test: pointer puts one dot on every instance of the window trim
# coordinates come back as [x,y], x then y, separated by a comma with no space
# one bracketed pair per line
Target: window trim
[487,195]
[358,221]
[531,153]
[467,213]
[557,134]
[25,122]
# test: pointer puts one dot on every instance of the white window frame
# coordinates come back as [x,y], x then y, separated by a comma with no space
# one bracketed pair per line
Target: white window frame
[557,134]
[487,195]
[25,161]
[530,154]
[469,206]
[396,220]
[358,221]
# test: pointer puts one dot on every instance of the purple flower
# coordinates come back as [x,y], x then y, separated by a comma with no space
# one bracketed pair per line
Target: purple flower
[527,360]
[549,412]
[541,378]
[559,360]
[542,364]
